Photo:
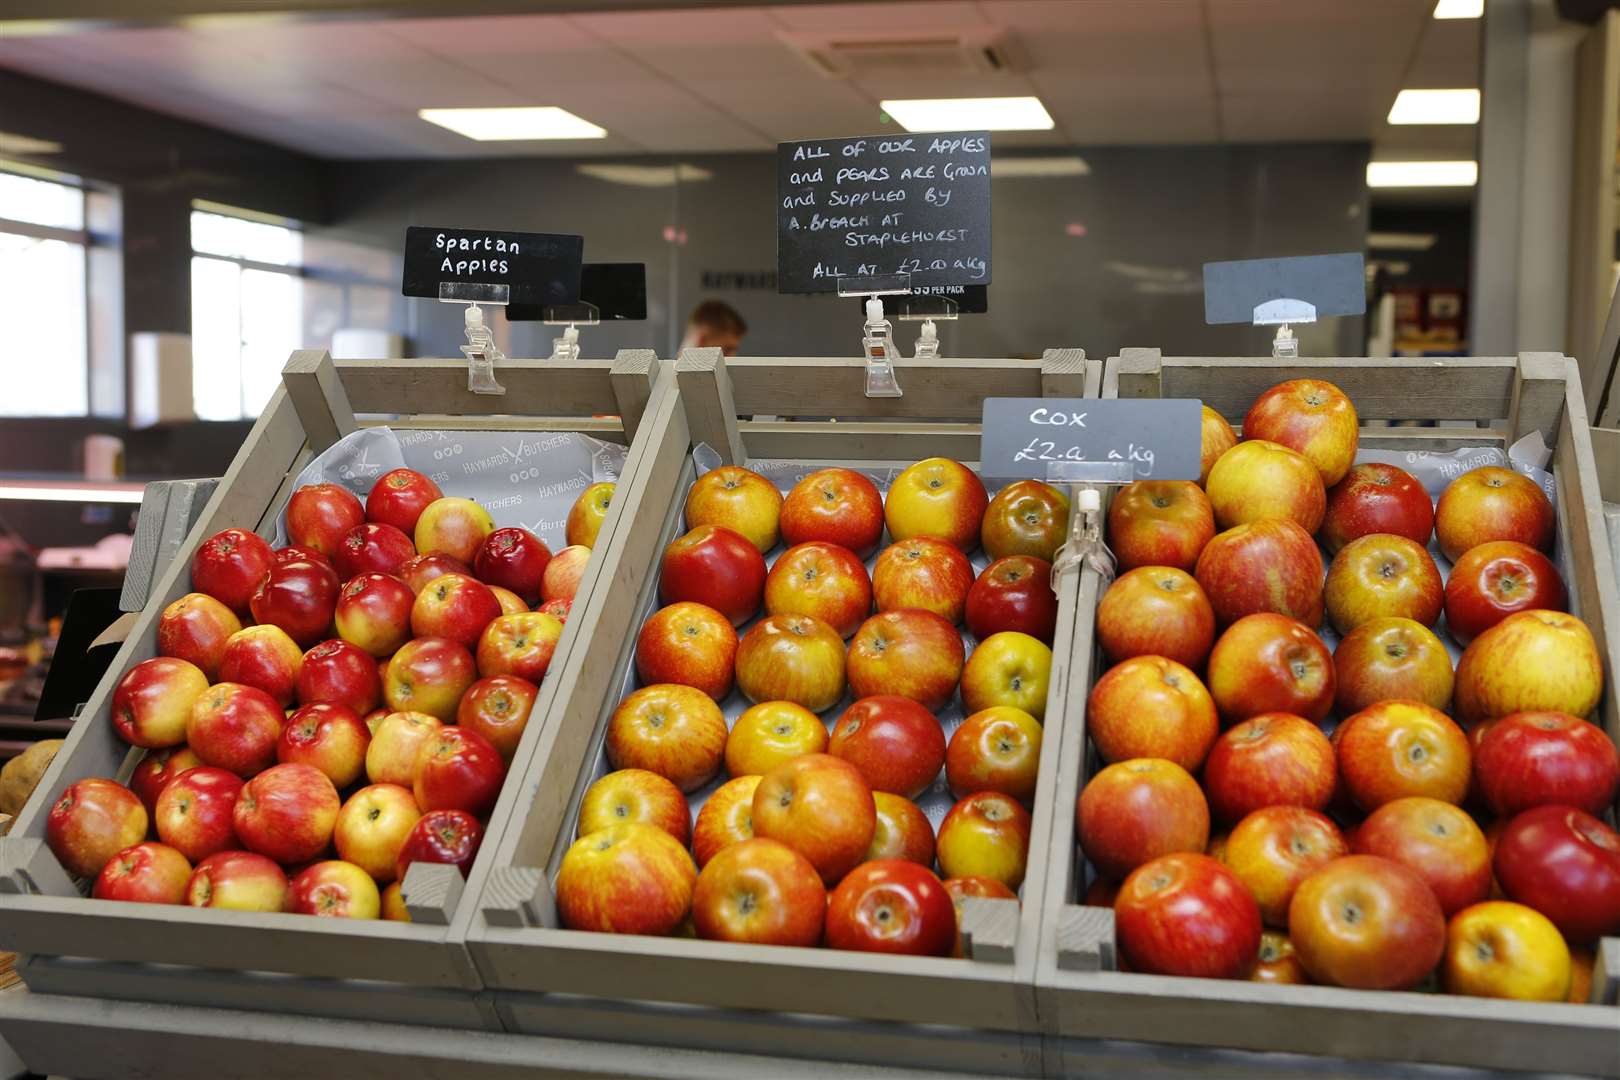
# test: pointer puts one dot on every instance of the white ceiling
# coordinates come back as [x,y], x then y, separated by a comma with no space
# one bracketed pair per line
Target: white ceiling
[1109,71]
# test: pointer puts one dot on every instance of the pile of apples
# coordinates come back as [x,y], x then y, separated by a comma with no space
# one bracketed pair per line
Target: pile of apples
[813,836]
[1234,837]
[359,693]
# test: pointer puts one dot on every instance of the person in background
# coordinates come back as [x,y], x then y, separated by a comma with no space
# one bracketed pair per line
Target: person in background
[714,324]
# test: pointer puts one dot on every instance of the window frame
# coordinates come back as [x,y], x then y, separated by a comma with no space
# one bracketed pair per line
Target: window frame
[85,238]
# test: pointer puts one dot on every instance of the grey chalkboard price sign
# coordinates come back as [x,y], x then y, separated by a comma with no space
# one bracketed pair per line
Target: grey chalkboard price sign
[915,204]
[537,268]
[1024,438]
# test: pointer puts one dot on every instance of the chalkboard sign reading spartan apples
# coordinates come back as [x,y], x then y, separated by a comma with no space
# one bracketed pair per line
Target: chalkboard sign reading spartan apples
[871,208]
[537,268]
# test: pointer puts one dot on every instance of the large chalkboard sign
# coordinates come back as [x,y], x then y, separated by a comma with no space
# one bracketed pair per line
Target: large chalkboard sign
[537,268]
[916,204]
[1024,437]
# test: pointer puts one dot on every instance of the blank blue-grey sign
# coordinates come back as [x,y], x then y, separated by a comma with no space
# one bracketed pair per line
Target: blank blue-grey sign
[1023,438]
[1334,284]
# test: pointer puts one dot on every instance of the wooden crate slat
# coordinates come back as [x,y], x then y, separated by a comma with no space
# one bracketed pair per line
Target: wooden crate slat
[533,387]
[836,386]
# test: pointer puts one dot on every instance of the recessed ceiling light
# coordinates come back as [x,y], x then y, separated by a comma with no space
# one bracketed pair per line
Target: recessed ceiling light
[530,122]
[11,143]
[1400,241]
[1396,174]
[1459,9]
[1003,168]
[970,114]
[1435,107]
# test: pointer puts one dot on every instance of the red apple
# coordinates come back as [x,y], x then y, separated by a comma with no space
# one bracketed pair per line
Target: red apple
[1008,668]
[635,795]
[374,612]
[194,814]
[892,906]
[1491,503]
[157,769]
[1382,576]
[937,497]
[995,749]
[1149,706]
[986,834]
[1275,848]
[1216,437]
[92,821]
[299,597]
[457,769]
[514,559]
[1389,659]
[228,566]
[194,628]
[1436,840]
[739,499]
[688,643]
[521,645]
[429,675]
[1400,748]
[287,813]
[1027,517]
[1264,566]
[920,573]
[456,607]
[1366,922]
[1312,417]
[1277,963]
[901,830]
[820,806]
[1270,663]
[391,754]
[1156,611]
[823,580]
[340,673]
[399,497]
[1258,480]
[1186,914]
[1273,759]
[145,874]
[498,709]
[1160,523]
[320,515]
[586,516]
[760,892]
[511,603]
[1135,811]
[153,700]
[896,744]
[453,527]
[372,827]
[1496,579]
[1565,863]
[564,573]
[235,727]
[329,736]
[913,653]
[298,553]
[675,731]
[237,881]
[795,658]
[1533,759]
[1531,661]
[557,609]
[371,548]
[627,879]
[336,890]
[839,506]
[451,837]
[984,888]
[715,566]
[727,818]
[419,571]
[1014,593]
[266,658]
[1376,498]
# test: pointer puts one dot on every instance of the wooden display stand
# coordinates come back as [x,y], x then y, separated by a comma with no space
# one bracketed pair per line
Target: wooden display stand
[416,972]
[1080,995]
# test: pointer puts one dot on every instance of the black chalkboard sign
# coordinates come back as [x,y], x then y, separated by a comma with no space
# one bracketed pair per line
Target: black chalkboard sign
[1024,437]
[915,204]
[537,268]
[618,292]
[926,301]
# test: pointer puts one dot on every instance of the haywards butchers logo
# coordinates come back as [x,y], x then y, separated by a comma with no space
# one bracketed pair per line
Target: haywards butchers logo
[579,481]
[361,467]
[504,503]
[417,438]
[516,454]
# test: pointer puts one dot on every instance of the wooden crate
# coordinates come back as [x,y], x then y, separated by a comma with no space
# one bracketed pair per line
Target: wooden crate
[973,1013]
[1079,995]
[417,972]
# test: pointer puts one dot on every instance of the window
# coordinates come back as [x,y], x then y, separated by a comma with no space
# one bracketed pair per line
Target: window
[44,324]
[246,311]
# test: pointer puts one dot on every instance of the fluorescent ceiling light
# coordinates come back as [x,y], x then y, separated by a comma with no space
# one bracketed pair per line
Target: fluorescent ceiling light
[1004,168]
[11,143]
[46,492]
[1435,107]
[1400,241]
[970,114]
[646,175]
[498,125]
[1459,9]
[1398,174]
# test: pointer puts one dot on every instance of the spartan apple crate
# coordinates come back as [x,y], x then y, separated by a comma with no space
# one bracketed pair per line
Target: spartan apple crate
[1080,993]
[975,1013]
[415,972]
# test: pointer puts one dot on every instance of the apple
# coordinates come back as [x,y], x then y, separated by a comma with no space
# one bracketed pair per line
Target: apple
[937,497]
[90,822]
[760,892]
[1532,759]
[1391,658]
[1008,668]
[995,749]
[891,906]
[393,903]
[511,603]
[795,658]
[1275,848]
[1565,863]
[727,817]
[1274,759]
[456,607]
[1492,503]
[1399,748]
[515,559]
[902,830]
[772,732]
[299,597]
[739,499]
[145,874]
[228,566]
[1264,566]
[429,675]
[372,827]
[287,813]
[896,744]
[564,573]
[1437,841]
[911,652]
[1366,922]
[266,658]
[417,572]
[1382,576]
[675,731]
[399,497]
[521,645]
[1531,661]
[920,573]
[372,548]
[983,888]
[688,643]
[498,709]
[374,612]
[820,806]
[627,879]
[374,718]
[320,515]
[298,553]
[235,727]
[457,769]
[1134,811]
[557,609]
[839,506]
[329,736]
[341,673]
[1149,706]
[1216,437]
[451,837]
[1277,963]
[1156,611]
[391,754]
[1270,663]
[194,628]
[585,517]
[1582,959]
[1496,579]
[986,834]
[454,527]
[334,889]
[1014,593]
[1027,517]
[1186,914]
[1376,498]
[194,813]
[635,795]
[1258,480]
[153,700]
[1505,950]
[157,769]
[237,881]
[1160,523]
[823,580]
[1312,417]
[715,566]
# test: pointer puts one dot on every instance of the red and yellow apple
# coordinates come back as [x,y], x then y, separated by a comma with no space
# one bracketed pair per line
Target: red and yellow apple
[1366,922]
[145,874]
[1134,811]
[1186,914]
[1274,759]
[374,612]
[1399,748]
[454,527]
[1505,950]
[300,597]
[1258,480]
[238,881]
[1270,663]
[1215,437]
[1150,706]
[1027,517]
[795,658]
[986,834]
[1531,661]
[195,628]
[891,906]
[1275,848]
[739,499]
[920,573]
[1389,659]
[902,830]
[823,580]
[585,517]
[1492,503]
[521,645]
[839,506]
[1437,841]
[457,769]
[287,813]
[320,515]
[1008,668]
[1373,498]
[727,817]
[398,498]
[1496,579]
[195,813]
[911,652]
[1160,523]
[334,889]
[498,709]
[90,822]
[1265,566]
[372,827]
[626,879]
[772,732]
[713,565]
[897,744]
[235,727]
[760,892]
[391,755]
[675,731]
[1532,759]
[1382,576]
[820,806]
[153,701]
[266,658]
[429,675]
[635,795]
[1310,416]
[689,643]
[995,749]
[937,497]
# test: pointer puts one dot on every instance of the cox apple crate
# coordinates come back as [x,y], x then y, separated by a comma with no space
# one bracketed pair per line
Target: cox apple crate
[1081,992]
[414,971]
[809,1002]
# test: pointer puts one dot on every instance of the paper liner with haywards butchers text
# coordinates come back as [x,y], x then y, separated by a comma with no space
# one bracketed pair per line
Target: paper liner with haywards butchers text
[523,478]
